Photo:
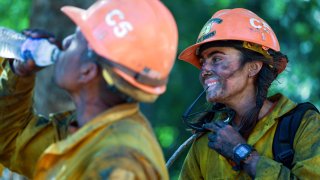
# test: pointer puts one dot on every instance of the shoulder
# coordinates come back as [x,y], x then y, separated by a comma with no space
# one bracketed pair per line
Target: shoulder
[310,123]
[200,146]
[307,139]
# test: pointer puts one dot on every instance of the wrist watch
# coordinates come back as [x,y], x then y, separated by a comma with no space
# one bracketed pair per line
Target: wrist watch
[241,152]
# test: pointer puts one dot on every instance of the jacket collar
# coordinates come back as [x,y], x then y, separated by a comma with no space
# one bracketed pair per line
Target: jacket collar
[283,106]
[62,120]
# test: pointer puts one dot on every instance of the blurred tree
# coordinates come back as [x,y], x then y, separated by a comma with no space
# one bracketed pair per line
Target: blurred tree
[15,14]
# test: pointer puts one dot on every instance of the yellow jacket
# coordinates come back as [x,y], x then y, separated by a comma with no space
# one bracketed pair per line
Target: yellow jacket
[117,144]
[1,170]
[204,163]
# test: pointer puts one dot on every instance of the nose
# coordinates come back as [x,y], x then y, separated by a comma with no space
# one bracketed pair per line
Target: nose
[206,69]
[66,42]
[205,73]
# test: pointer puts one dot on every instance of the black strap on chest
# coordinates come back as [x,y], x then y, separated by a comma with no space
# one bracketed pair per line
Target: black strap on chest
[286,130]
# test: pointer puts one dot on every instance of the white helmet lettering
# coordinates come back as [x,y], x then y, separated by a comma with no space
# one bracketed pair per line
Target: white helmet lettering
[255,23]
[259,24]
[116,19]
[110,17]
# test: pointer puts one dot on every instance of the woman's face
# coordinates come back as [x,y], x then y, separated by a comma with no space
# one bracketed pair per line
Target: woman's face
[223,75]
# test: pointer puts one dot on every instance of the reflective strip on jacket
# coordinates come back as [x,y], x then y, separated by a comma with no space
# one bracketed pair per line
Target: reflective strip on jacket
[204,163]
[117,144]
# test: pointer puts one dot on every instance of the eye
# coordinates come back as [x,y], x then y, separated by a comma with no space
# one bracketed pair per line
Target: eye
[216,59]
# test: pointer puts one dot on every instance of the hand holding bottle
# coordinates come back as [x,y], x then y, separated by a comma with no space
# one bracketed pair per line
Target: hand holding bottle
[40,50]
[24,69]
[40,46]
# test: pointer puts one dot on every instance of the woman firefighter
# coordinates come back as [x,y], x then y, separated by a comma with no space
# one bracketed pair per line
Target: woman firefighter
[239,56]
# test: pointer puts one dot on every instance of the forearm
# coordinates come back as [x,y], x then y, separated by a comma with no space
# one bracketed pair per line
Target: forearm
[14,88]
[270,169]
[260,167]
[250,165]
[15,106]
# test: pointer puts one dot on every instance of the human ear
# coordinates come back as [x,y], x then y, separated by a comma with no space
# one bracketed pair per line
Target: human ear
[88,71]
[254,68]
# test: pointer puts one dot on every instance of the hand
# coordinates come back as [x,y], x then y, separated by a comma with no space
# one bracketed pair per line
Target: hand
[41,46]
[24,69]
[43,34]
[223,138]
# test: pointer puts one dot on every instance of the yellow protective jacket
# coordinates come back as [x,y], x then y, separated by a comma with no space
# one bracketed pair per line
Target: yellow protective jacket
[205,163]
[1,170]
[117,144]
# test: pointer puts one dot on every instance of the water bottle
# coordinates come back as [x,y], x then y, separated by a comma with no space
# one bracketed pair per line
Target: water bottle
[15,45]
[40,50]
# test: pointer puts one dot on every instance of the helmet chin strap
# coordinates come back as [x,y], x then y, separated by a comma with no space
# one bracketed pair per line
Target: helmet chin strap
[198,126]
[111,86]
[199,131]
[189,109]
[107,77]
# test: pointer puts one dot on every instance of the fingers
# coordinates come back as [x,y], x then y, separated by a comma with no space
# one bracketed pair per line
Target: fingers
[220,124]
[212,136]
[40,33]
[214,126]
[209,126]
[37,33]
[25,68]
[213,143]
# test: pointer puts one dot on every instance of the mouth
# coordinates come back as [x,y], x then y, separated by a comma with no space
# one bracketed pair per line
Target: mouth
[210,82]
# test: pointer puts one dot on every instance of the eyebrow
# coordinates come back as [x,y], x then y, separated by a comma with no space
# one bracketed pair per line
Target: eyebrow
[212,53]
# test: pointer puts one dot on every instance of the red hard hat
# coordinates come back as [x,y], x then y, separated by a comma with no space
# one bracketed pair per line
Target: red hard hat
[139,36]
[234,24]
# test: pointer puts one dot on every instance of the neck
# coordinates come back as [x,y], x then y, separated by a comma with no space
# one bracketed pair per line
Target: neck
[91,103]
[88,110]
[241,112]
[242,107]
[242,102]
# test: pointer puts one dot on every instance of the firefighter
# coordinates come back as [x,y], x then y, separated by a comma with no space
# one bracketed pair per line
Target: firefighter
[120,54]
[239,56]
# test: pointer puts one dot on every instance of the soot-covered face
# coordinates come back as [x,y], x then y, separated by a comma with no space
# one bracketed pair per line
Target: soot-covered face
[223,75]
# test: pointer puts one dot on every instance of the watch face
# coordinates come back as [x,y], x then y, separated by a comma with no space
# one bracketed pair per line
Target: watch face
[242,151]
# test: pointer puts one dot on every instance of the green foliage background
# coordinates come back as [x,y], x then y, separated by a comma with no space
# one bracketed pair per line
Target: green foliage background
[296,23]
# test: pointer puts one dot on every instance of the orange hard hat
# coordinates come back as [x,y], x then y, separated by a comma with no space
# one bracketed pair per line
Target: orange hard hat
[234,24]
[139,38]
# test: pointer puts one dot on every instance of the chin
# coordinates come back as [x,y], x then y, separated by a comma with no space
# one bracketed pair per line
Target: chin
[212,98]
[57,82]
[216,98]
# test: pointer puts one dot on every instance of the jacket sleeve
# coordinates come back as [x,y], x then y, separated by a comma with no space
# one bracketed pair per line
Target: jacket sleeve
[191,167]
[23,136]
[121,163]
[307,154]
